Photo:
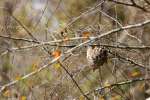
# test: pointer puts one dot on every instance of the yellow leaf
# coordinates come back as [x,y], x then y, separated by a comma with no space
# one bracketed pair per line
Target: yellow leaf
[57,66]
[56,53]
[7,93]
[18,77]
[135,73]
[81,97]
[34,67]
[23,98]
[35,64]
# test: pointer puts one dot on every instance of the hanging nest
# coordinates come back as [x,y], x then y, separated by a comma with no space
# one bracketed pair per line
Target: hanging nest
[96,56]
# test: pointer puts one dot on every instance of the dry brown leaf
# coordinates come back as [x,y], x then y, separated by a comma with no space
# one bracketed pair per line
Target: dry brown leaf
[86,34]
[56,53]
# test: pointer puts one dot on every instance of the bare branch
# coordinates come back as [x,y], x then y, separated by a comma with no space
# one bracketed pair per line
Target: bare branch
[120,25]
[90,38]
[119,84]
[74,48]
[28,75]
[132,4]
[39,20]
[148,2]
[29,33]
[71,76]
[71,46]
[18,39]
[129,60]
[123,47]
[110,32]
[88,12]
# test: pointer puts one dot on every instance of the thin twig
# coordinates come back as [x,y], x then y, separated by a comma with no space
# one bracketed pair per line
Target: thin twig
[24,27]
[18,39]
[87,12]
[123,83]
[120,25]
[39,20]
[51,43]
[52,14]
[28,75]
[132,4]
[74,81]
[29,32]
[129,60]
[112,31]
[123,47]
[118,84]
[148,2]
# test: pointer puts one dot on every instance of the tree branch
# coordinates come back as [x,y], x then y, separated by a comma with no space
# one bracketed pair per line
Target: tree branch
[18,39]
[119,84]
[74,81]
[28,75]
[148,2]
[72,49]
[129,60]
[132,4]
[29,33]
[80,38]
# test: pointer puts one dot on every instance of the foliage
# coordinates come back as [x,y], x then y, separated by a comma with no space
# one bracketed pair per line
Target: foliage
[43,47]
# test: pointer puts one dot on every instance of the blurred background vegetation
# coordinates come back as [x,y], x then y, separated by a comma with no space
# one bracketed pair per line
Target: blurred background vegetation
[51,20]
